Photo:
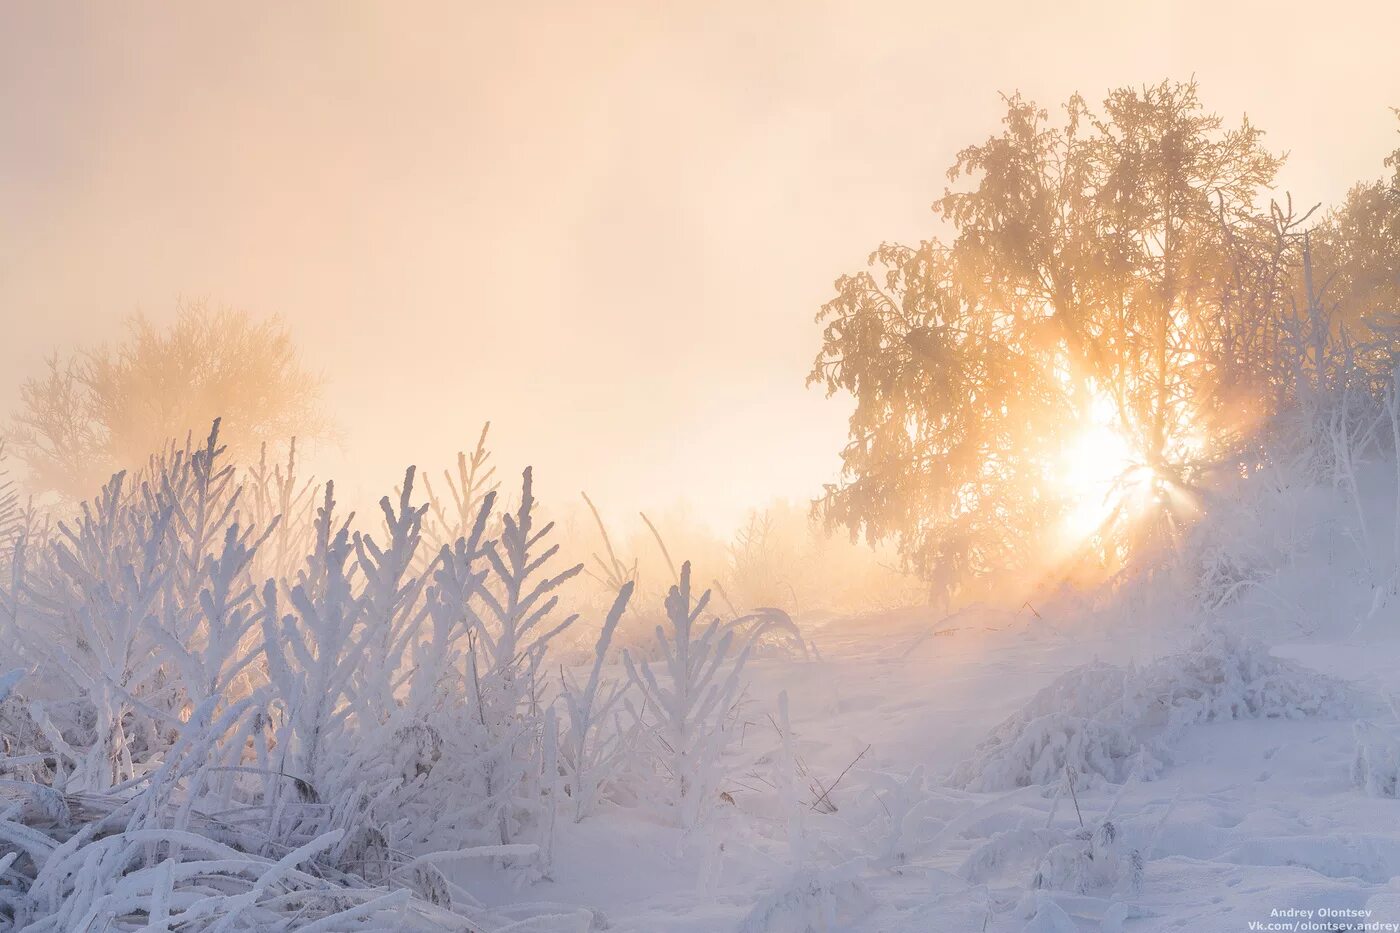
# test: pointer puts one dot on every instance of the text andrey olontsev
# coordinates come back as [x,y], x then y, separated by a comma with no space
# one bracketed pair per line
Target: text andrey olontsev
[1303,920]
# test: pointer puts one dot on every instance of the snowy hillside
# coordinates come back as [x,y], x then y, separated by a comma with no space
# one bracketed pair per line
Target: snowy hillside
[226,713]
[1243,800]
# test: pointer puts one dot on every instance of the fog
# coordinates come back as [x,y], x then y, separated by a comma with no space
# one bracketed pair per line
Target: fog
[1097,630]
[606,228]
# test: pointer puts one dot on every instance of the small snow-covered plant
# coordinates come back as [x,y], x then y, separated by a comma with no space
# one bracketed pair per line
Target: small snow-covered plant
[595,741]
[611,571]
[1093,858]
[84,616]
[219,653]
[901,800]
[203,492]
[811,898]
[1375,767]
[518,622]
[314,655]
[458,578]
[509,620]
[276,495]
[475,480]
[771,629]
[391,595]
[689,705]
[347,742]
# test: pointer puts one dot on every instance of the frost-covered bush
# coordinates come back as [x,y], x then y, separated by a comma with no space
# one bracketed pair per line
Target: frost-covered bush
[1375,766]
[1102,721]
[135,611]
[167,852]
[596,742]
[1091,860]
[1301,528]
[447,521]
[277,498]
[810,898]
[815,900]
[1099,857]
[509,624]
[687,705]
[900,802]
[198,734]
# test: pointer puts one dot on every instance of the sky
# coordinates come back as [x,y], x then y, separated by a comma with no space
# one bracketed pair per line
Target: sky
[606,227]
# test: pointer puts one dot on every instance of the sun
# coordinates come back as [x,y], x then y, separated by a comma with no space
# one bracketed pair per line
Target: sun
[1099,472]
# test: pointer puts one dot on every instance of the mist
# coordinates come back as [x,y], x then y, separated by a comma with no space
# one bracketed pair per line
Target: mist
[460,211]
[703,468]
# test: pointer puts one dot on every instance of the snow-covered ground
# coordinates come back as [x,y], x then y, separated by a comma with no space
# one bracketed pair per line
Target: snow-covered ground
[1244,820]
[372,739]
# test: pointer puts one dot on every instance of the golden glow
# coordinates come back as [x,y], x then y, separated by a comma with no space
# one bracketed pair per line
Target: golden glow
[546,190]
[1099,472]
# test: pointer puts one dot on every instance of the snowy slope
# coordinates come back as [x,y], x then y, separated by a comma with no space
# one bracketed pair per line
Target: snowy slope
[1246,817]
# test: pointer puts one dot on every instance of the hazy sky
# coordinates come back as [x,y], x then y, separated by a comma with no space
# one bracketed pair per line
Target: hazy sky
[606,227]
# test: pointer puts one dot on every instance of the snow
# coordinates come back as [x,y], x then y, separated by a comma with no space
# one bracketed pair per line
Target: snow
[1252,812]
[1251,802]
[377,739]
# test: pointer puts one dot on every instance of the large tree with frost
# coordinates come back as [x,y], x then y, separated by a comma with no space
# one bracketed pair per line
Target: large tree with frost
[1112,265]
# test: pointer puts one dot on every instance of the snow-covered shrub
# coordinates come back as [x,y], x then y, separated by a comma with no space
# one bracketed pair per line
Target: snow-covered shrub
[812,898]
[595,740]
[1098,719]
[1095,858]
[202,745]
[1224,677]
[446,522]
[164,852]
[391,596]
[217,655]
[1078,722]
[276,498]
[1038,752]
[511,622]
[1092,860]
[900,800]
[687,710]
[136,611]
[771,631]
[83,612]
[314,656]
[1375,766]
